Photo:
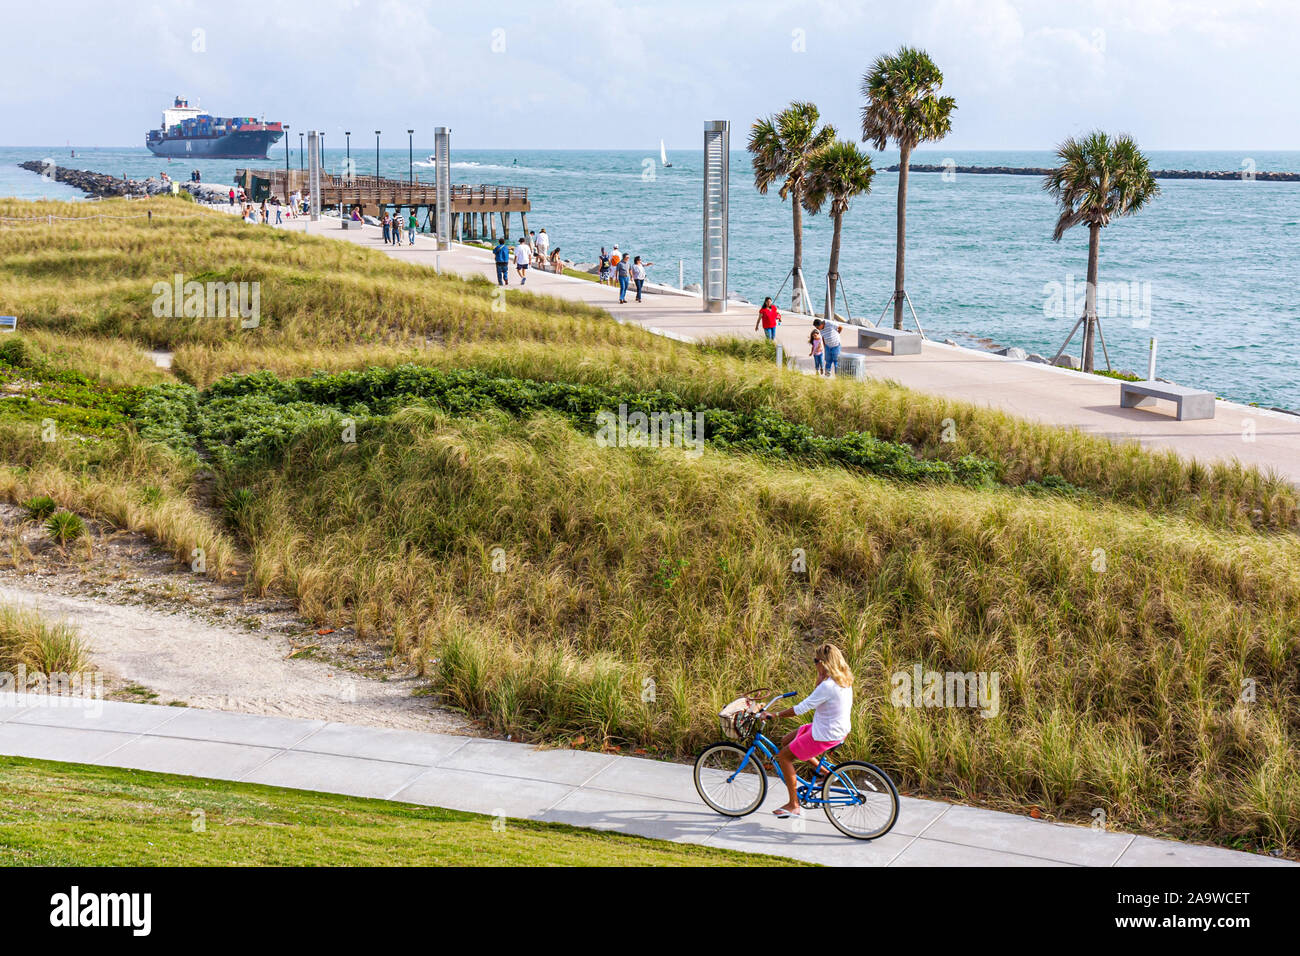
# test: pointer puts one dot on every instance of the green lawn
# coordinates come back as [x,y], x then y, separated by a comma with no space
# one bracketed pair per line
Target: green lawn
[61,814]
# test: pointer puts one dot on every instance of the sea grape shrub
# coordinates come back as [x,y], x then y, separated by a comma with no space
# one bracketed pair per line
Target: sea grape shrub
[250,419]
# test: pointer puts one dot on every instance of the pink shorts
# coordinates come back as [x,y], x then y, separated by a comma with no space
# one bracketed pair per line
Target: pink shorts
[804,747]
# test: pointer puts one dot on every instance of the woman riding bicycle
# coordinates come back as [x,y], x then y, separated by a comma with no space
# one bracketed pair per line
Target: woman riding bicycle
[832,701]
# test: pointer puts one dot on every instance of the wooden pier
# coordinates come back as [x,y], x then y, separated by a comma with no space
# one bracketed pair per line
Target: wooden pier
[476,211]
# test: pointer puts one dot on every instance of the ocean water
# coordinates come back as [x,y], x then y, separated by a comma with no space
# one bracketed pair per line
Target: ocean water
[1210,268]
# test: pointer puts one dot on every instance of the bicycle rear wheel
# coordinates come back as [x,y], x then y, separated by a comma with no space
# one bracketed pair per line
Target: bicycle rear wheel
[860,800]
[724,785]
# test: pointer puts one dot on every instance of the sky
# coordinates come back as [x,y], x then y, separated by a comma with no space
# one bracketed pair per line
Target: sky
[591,74]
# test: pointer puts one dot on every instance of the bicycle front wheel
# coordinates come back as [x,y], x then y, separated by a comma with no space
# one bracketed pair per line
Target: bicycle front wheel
[860,800]
[728,782]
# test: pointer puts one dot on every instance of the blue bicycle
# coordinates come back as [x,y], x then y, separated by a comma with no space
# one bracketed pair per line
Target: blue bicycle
[859,798]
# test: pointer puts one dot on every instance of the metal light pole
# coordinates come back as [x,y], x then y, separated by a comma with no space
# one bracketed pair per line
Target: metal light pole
[442,184]
[717,159]
[286,160]
[410,157]
[301,158]
[376,154]
[348,167]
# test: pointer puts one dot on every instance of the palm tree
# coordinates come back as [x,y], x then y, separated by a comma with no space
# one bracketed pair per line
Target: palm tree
[903,105]
[1099,179]
[781,146]
[837,172]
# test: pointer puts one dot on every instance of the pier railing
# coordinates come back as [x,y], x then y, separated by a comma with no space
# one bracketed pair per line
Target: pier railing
[382,190]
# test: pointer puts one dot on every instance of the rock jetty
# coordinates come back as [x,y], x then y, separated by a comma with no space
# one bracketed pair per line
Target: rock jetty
[105,186]
[1221,175]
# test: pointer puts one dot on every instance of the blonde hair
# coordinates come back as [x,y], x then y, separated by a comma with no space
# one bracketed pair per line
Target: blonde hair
[832,658]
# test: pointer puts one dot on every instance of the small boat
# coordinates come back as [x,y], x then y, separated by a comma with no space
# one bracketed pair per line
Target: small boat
[663,156]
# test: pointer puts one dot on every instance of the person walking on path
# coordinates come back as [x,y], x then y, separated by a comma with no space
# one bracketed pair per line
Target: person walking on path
[624,272]
[638,276]
[412,226]
[502,256]
[397,229]
[606,270]
[817,352]
[831,339]
[387,229]
[523,255]
[769,318]
[543,246]
[832,704]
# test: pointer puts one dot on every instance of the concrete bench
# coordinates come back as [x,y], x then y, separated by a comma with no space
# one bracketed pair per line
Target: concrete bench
[8,323]
[899,341]
[1192,403]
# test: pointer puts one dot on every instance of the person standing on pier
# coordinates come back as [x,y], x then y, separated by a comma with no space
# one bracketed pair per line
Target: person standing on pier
[638,276]
[502,256]
[624,271]
[523,255]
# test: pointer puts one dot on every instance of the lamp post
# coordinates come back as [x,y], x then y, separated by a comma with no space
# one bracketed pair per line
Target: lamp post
[302,159]
[348,165]
[376,157]
[286,153]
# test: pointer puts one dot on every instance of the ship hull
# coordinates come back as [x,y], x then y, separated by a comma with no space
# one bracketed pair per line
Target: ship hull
[252,144]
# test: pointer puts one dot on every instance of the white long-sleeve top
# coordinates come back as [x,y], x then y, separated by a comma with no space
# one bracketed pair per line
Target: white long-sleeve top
[833,705]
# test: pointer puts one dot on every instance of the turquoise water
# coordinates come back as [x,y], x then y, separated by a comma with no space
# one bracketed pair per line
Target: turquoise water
[1215,263]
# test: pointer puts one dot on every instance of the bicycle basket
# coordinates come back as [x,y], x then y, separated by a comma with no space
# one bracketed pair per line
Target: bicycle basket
[737,718]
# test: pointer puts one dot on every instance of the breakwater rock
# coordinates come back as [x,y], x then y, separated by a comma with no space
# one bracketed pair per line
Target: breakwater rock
[106,186]
[1222,175]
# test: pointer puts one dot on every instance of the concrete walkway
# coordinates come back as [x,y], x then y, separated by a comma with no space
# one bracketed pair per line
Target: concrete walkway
[1090,403]
[603,791]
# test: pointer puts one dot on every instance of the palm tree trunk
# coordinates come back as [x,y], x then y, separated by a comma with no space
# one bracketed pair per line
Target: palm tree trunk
[797,291]
[904,157]
[833,272]
[1090,296]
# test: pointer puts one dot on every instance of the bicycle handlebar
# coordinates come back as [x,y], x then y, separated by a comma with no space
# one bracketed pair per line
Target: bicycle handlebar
[789,693]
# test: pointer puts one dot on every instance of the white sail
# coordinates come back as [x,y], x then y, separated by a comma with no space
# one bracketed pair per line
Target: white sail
[663,153]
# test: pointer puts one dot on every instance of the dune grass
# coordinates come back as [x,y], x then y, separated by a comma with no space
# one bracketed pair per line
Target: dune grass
[1142,611]
[61,814]
[41,646]
[1122,641]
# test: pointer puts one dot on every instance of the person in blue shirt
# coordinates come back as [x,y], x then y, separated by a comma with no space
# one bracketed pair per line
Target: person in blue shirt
[502,255]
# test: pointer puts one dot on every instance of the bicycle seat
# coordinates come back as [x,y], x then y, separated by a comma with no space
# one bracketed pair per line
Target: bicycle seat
[833,750]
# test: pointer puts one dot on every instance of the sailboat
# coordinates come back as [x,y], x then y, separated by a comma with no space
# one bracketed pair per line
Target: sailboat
[663,156]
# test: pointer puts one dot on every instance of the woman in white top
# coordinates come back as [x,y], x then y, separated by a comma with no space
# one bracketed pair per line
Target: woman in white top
[832,703]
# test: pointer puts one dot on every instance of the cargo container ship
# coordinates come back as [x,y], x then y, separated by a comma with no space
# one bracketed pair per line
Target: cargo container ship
[188,131]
